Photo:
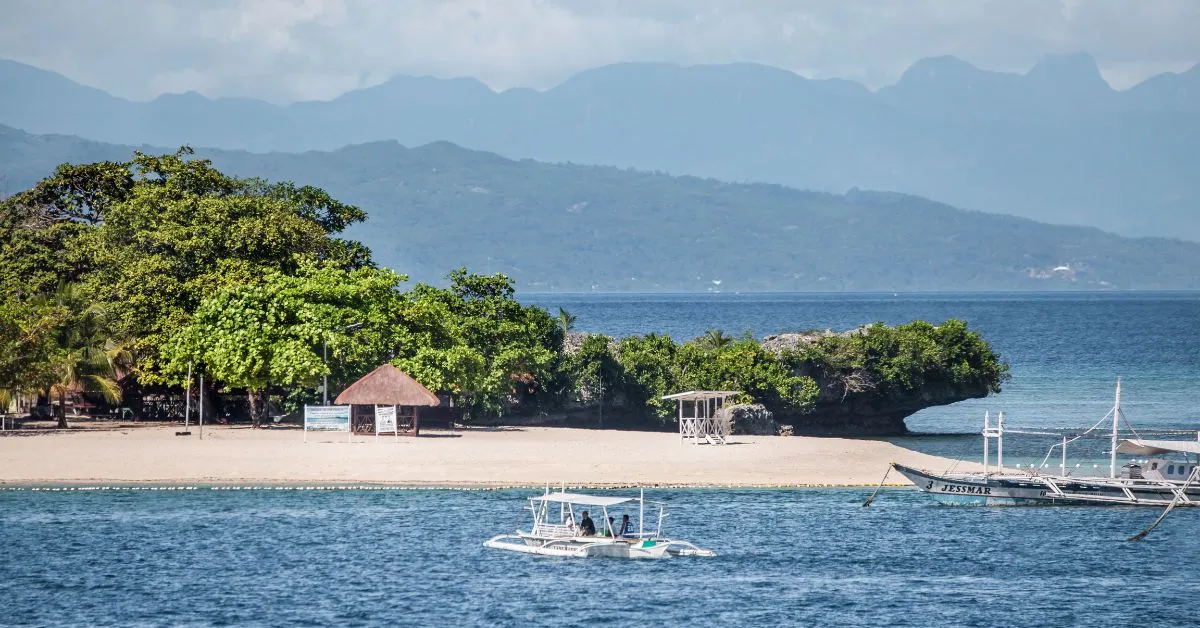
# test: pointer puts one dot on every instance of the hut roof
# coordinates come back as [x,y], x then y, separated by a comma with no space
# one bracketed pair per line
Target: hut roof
[387,386]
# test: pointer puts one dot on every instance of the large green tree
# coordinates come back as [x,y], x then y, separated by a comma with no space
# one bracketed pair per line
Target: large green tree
[274,331]
[474,340]
[154,236]
[27,334]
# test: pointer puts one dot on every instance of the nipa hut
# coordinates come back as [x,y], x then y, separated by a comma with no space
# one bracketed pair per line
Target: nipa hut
[387,386]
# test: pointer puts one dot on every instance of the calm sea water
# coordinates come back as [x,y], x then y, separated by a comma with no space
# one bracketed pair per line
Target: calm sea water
[368,558]
[799,557]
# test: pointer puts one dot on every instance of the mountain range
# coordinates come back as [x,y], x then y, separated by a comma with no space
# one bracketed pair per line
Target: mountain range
[566,227]
[1056,144]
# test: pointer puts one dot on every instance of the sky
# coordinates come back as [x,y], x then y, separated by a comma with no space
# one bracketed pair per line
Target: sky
[287,50]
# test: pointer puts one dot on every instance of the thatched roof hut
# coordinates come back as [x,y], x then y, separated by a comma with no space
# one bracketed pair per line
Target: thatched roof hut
[387,386]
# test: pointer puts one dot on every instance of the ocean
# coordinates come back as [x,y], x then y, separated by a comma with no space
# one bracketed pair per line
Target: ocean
[414,558]
[784,557]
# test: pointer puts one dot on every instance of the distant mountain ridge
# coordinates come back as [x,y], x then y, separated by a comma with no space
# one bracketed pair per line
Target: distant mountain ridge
[1055,144]
[568,227]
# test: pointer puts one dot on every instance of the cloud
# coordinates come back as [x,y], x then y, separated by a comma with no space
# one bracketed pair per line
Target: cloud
[284,50]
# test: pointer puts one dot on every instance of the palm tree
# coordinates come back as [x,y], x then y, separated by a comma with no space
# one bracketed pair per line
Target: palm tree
[87,357]
[714,339]
[566,320]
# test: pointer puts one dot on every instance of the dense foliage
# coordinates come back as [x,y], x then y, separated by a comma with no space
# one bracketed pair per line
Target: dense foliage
[26,347]
[876,360]
[903,359]
[276,331]
[118,275]
[473,339]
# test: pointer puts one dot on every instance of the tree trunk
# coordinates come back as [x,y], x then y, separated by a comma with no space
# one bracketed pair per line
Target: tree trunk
[258,405]
[62,409]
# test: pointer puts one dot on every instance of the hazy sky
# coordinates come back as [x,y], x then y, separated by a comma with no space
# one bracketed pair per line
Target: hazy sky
[283,50]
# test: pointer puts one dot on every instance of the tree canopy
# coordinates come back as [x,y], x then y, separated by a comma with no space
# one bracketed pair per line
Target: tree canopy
[153,236]
[476,340]
[114,273]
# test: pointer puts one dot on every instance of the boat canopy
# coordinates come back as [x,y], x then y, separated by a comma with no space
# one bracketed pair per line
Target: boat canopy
[1156,447]
[583,500]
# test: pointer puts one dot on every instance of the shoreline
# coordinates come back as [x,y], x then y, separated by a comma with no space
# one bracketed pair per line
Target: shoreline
[240,458]
[166,485]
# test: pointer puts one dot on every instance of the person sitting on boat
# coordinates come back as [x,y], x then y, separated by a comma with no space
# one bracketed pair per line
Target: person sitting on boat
[586,526]
[610,529]
[626,527]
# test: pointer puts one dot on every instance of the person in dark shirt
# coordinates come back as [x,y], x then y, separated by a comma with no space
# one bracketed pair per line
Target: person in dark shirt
[586,526]
[626,527]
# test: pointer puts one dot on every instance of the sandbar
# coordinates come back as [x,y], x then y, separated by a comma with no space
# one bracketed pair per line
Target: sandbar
[471,457]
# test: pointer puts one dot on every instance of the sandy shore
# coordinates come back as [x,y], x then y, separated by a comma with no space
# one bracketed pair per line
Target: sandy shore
[472,457]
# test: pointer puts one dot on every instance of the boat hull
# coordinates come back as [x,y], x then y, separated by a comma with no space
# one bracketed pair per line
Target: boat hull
[1015,490]
[598,547]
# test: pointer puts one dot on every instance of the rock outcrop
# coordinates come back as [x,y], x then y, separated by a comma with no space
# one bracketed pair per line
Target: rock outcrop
[779,343]
[753,419]
[857,403]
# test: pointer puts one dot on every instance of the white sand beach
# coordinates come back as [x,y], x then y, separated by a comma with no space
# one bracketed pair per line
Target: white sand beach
[470,457]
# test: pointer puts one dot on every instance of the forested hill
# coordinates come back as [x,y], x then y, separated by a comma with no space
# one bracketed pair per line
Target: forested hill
[1056,144]
[580,228]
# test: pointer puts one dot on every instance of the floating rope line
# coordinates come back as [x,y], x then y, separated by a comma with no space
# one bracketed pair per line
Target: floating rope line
[506,487]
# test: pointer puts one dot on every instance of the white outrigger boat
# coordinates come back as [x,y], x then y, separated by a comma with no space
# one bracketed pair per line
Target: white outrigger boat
[557,531]
[1158,481]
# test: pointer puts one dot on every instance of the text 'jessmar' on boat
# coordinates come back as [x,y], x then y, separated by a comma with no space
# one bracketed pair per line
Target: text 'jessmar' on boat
[576,525]
[1160,481]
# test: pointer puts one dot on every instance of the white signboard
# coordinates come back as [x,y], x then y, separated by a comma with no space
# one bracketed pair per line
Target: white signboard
[326,419]
[385,419]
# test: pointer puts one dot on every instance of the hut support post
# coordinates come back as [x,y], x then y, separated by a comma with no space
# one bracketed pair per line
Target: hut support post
[187,397]
[416,420]
[680,421]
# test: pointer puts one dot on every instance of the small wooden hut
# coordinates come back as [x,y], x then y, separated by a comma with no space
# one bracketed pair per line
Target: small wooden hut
[387,386]
[702,418]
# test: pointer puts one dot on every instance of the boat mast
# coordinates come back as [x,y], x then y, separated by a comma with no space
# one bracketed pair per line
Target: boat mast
[1000,442]
[642,514]
[1062,469]
[1112,463]
[987,434]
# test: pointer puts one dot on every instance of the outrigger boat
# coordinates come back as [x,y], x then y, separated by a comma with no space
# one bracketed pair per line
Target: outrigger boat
[556,530]
[1158,482]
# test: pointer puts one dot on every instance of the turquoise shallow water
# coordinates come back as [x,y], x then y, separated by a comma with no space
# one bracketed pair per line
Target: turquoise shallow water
[368,558]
